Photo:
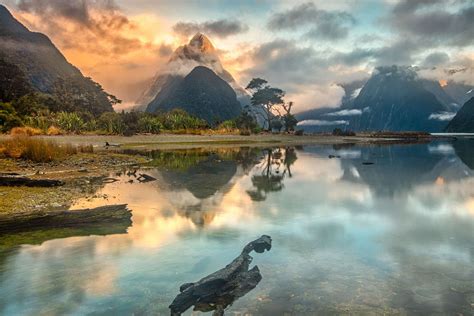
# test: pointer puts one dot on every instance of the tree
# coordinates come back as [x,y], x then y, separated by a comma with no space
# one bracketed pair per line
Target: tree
[289,119]
[266,97]
[245,121]
[13,82]
[8,117]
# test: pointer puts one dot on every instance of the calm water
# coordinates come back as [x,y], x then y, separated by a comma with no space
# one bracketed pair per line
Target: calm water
[394,237]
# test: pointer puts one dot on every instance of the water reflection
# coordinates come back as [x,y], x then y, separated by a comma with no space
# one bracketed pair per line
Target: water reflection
[393,237]
[271,171]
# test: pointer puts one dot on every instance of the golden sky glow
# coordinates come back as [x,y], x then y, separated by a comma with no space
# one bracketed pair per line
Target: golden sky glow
[122,44]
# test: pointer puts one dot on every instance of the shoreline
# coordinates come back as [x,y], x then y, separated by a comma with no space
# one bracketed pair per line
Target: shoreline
[174,141]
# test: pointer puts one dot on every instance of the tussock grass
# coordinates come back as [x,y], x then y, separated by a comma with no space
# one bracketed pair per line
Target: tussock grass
[54,131]
[29,131]
[39,150]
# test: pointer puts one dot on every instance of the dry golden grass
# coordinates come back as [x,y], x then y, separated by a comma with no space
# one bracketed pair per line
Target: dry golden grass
[54,131]
[29,131]
[38,150]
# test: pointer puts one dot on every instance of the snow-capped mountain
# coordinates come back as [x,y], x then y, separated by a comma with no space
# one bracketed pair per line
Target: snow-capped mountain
[198,52]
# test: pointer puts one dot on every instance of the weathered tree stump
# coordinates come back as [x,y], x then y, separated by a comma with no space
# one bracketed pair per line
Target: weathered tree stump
[220,289]
[28,182]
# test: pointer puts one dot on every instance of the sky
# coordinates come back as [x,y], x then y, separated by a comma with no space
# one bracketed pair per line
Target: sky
[306,48]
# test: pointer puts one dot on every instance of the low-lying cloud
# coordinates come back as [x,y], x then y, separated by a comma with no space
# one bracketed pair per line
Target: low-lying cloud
[322,123]
[442,116]
[354,112]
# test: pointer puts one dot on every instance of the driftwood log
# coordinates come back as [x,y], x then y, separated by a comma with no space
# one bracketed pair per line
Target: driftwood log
[28,182]
[220,289]
[116,216]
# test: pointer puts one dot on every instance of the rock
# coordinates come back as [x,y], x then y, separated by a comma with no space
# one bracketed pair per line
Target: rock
[221,288]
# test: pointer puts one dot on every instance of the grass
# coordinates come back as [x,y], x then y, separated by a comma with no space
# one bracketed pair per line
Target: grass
[39,150]
[25,131]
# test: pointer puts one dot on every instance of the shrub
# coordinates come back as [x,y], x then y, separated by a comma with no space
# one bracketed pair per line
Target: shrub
[150,124]
[8,117]
[70,122]
[25,131]
[245,121]
[111,123]
[290,122]
[42,122]
[276,124]
[179,119]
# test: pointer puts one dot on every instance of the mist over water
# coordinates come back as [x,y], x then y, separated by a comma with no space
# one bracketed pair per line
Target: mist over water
[373,229]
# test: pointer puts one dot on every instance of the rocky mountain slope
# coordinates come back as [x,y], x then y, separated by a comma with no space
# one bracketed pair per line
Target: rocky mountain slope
[45,68]
[201,93]
[463,122]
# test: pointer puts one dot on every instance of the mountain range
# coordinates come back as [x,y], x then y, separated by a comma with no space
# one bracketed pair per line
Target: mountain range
[394,98]
[45,68]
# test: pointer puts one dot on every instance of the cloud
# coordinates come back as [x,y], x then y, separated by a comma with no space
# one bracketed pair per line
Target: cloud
[433,25]
[78,11]
[399,52]
[436,59]
[442,116]
[322,24]
[345,113]
[218,28]
[90,25]
[322,123]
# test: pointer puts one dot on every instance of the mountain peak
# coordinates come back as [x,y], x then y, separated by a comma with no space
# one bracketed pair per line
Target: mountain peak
[8,24]
[201,42]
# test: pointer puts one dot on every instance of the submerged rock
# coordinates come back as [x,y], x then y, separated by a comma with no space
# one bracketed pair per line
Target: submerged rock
[220,289]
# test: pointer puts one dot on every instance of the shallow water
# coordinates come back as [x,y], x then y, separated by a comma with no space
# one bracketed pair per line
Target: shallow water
[393,237]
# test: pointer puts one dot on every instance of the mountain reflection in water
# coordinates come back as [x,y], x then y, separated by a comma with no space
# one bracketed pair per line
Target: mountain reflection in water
[393,237]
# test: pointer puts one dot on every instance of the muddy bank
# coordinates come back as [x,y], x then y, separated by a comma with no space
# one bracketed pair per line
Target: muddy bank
[81,175]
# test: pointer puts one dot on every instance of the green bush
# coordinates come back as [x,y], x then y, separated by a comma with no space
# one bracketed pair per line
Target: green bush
[8,117]
[179,120]
[42,122]
[111,123]
[70,122]
[228,125]
[150,124]
[246,122]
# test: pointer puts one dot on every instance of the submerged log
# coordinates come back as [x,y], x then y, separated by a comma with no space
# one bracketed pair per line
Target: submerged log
[220,289]
[28,182]
[117,216]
